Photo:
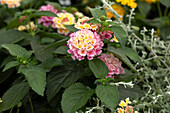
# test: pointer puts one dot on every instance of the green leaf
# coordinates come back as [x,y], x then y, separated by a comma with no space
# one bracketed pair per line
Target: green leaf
[71,28]
[36,78]
[94,20]
[99,68]
[75,97]
[61,50]
[16,50]
[120,34]
[164,32]
[26,2]
[45,13]
[58,6]
[6,61]
[14,24]
[14,95]
[58,43]
[119,53]
[96,12]
[52,63]
[12,36]
[133,55]
[62,76]
[53,35]
[39,51]
[109,95]
[165,3]
[132,93]
[10,65]
[144,8]
[47,40]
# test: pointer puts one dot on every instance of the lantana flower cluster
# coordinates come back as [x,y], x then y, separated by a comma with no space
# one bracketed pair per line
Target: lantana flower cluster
[125,108]
[84,43]
[61,20]
[113,64]
[11,3]
[81,24]
[130,3]
[45,19]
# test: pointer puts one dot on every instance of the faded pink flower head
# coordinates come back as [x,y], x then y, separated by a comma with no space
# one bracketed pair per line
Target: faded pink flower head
[84,43]
[129,109]
[113,64]
[105,34]
[45,19]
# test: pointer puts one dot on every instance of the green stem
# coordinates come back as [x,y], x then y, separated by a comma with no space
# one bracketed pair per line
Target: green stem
[159,9]
[11,109]
[18,110]
[165,12]
[32,109]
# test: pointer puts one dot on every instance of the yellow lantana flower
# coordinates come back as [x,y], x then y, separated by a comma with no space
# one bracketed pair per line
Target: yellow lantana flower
[130,3]
[120,110]
[128,101]
[118,8]
[122,103]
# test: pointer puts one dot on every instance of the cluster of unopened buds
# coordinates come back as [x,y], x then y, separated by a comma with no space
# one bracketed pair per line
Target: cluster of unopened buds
[125,108]
[113,64]
[11,3]
[29,26]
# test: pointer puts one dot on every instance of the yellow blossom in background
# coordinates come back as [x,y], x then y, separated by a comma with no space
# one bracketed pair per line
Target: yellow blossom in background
[30,26]
[118,8]
[21,28]
[79,14]
[0,100]
[151,1]
[11,3]
[130,3]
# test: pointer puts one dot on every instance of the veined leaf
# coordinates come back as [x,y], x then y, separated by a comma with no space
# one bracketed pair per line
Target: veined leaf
[94,20]
[62,76]
[71,28]
[45,13]
[36,78]
[133,55]
[120,34]
[58,6]
[118,52]
[96,12]
[99,68]
[16,50]
[14,95]
[58,43]
[10,65]
[75,97]
[12,36]
[109,95]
